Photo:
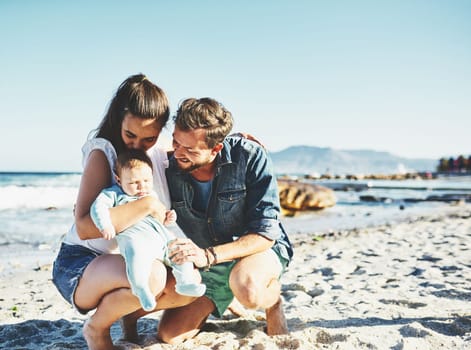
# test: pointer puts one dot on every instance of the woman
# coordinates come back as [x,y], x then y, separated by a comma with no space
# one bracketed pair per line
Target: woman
[88,271]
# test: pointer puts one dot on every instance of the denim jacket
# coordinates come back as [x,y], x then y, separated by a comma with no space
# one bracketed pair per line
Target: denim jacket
[244,198]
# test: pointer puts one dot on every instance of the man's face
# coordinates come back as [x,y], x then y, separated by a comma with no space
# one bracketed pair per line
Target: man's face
[191,150]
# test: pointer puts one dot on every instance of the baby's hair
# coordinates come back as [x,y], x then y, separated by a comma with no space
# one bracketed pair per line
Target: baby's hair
[132,158]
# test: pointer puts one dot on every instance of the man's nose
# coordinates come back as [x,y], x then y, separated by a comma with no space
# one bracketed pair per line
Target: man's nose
[178,151]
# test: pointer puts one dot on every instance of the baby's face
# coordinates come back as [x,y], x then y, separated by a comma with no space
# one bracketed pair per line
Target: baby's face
[137,181]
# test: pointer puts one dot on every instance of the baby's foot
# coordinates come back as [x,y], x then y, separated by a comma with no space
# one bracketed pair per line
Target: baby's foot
[146,298]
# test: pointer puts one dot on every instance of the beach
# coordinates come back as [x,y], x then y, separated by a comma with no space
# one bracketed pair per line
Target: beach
[403,285]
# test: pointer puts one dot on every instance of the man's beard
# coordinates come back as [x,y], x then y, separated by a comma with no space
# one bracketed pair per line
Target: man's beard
[192,167]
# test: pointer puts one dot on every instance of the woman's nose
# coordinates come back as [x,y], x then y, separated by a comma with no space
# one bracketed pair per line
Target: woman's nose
[136,145]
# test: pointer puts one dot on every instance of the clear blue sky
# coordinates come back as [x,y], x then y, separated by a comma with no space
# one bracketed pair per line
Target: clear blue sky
[386,75]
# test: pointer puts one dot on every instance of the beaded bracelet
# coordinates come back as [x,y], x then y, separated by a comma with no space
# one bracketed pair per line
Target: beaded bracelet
[211,249]
[208,263]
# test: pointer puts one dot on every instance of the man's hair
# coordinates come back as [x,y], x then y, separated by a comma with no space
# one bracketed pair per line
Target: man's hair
[132,158]
[204,113]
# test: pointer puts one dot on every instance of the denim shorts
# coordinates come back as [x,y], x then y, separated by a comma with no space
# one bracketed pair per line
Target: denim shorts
[217,283]
[68,268]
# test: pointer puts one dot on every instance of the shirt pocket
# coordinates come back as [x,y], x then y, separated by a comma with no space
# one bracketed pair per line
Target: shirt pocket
[232,208]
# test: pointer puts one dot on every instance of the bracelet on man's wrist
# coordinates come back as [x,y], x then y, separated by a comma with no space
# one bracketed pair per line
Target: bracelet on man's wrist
[208,263]
[213,252]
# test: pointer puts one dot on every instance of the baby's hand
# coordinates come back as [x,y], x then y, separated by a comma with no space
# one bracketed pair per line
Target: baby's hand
[108,233]
[170,217]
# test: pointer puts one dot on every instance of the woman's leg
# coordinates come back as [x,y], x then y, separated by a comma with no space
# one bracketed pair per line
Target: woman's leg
[104,286]
[96,330]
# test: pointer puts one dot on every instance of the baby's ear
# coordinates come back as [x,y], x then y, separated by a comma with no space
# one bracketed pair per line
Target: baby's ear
[118,181]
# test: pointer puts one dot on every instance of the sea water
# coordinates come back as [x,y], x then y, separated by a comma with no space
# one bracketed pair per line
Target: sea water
[394,201]
[36,209]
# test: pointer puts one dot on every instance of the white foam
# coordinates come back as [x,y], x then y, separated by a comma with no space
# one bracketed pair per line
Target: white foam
[32,197]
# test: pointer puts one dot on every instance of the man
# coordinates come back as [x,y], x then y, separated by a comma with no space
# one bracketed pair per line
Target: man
[226,198]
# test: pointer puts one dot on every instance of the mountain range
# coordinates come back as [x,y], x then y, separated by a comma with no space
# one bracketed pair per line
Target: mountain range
[310,160]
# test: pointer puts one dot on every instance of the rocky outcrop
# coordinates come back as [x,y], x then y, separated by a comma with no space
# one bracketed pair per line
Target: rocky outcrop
[299,196]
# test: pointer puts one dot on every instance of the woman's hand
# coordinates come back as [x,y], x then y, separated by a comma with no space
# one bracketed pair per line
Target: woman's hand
[170,217]
[155,207]
[250,137]
[183,250]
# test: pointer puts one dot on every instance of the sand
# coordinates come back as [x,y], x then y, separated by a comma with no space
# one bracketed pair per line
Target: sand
[400,286]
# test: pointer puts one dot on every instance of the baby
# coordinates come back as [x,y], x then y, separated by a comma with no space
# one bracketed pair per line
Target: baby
[147,240]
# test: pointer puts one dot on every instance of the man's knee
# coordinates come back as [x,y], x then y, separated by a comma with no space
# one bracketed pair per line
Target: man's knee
[253,291]
[247,291]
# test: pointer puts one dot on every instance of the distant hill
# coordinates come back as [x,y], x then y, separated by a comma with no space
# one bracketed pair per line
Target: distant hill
[309,159]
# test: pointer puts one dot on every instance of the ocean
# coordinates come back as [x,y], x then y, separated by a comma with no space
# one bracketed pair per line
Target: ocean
[36,209]
[364,203]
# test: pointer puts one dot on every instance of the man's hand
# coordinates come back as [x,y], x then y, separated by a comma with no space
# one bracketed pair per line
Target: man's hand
[182,250]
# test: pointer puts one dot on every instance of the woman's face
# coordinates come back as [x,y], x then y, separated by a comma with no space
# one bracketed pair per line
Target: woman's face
[139,133]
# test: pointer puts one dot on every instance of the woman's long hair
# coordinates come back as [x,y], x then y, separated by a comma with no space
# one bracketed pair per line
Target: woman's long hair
[138,96]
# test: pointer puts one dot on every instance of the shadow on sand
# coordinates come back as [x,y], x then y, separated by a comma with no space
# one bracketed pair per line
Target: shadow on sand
[449,326]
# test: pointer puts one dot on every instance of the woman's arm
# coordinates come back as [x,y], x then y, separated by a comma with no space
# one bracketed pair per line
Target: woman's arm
[97,176]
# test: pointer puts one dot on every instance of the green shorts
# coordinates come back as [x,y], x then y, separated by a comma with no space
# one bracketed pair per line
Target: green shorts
[217,283]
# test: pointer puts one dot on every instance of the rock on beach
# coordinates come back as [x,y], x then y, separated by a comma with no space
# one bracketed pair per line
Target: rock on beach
[299,196]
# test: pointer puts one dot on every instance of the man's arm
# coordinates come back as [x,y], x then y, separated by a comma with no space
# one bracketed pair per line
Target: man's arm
[184,250]
[249,244]
[262,212]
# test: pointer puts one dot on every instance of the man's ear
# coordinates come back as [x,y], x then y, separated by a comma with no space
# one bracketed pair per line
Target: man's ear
[217,148]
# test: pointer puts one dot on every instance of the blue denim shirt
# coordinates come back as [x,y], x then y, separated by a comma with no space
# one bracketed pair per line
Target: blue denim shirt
[244,198]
